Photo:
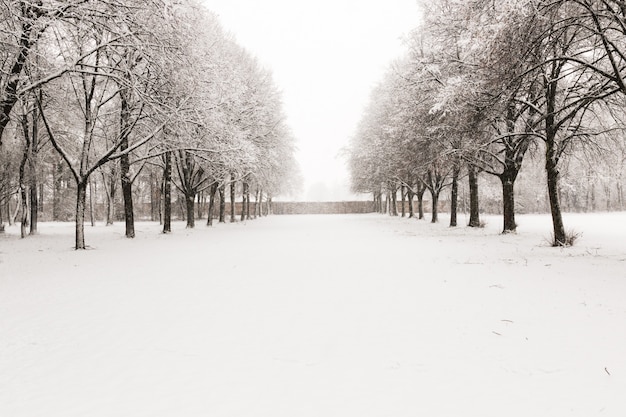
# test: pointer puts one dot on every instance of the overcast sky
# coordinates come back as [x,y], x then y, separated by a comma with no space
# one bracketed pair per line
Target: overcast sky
[326,55]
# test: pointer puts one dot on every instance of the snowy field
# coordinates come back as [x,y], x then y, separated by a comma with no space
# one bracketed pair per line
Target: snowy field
[319,316]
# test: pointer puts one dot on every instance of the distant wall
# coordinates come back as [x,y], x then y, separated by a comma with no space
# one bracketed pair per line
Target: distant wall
[344,207]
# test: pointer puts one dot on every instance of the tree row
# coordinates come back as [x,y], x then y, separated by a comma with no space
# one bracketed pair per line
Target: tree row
[485,85]
[98,95]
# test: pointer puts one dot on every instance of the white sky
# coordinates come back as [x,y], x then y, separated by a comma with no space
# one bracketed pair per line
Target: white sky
[326,56]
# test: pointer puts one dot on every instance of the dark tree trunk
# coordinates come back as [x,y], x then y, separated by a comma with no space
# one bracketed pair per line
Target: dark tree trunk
[154,197]
[34,186]
[34,206]
[410,196]
[512,165]
[382,207]
[244,201]
[394,202]
[200,205]
[560,238]
[81,198]
[420,202]
[552,155]
[403,199]
[434,183]
[213,192]
[190,200]
[127,192]
[474,220]
[232,198]
[257,202]
[435,209]
[57,178]
[92,216]
[127,184]
[508,203]
[388,202]
[454,197]
[167,193]
[110,190]
[248,217]
[22,177]
[23,198]
[222,193]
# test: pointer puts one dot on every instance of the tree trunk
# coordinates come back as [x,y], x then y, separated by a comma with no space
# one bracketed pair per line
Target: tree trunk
[81,198]
[420,201]
[34,186]
[34,207]
[244,201]
[127,192]
[383,202]
[454,196]
[474,220]
[213,192]
[222,194]
[552,156]
[92,217]
[110,190]
[435,208]
[508,203]
[125,174]
[57,178]
[155,197]
[248,217]
[153,200]
[190,200]
[560,238]
[200,205]
[403,199]
[23,210]
[257,203]
[394,202]
[410,196]
[167,193]
[22,178]
[232,198]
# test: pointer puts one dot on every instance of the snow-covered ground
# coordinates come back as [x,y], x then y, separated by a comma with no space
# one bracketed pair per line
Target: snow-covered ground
[299,316]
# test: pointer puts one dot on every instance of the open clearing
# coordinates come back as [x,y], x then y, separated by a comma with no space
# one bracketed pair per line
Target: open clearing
[296,316]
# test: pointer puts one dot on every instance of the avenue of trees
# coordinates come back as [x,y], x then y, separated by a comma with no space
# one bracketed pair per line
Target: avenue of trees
[110,108]
[487,86]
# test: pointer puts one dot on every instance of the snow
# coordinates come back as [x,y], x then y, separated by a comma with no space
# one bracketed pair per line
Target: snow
[361,315]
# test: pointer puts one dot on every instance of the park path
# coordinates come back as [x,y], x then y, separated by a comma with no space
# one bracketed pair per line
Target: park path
[306,316]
